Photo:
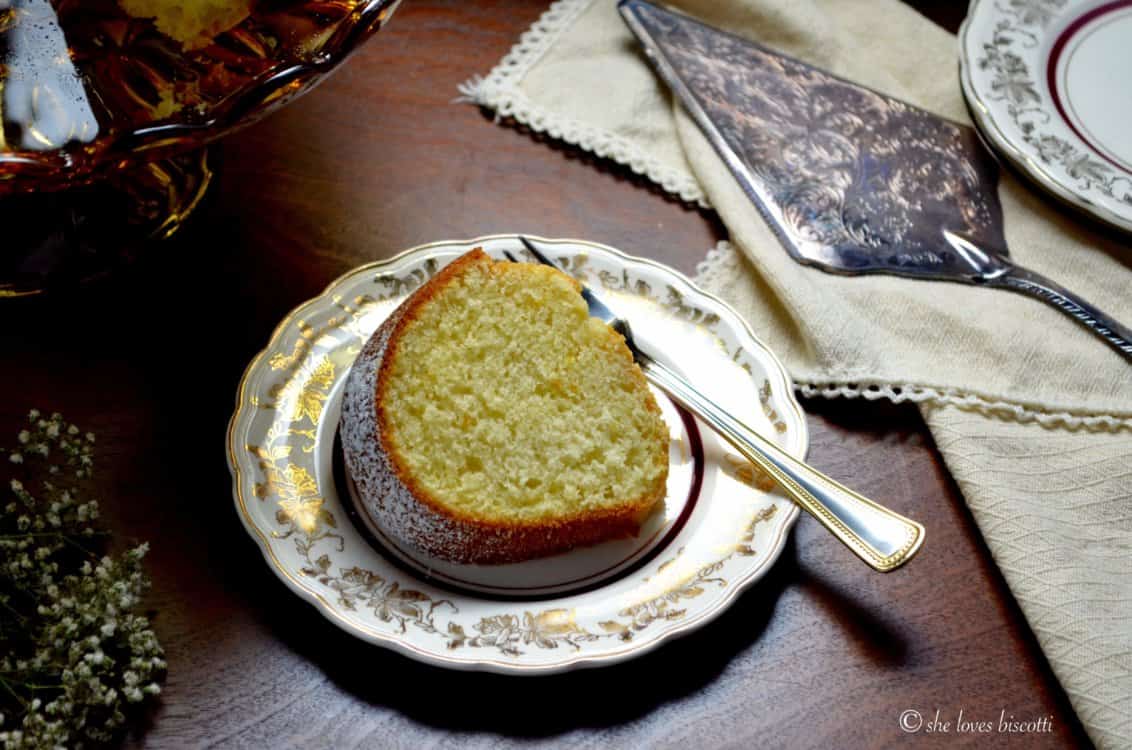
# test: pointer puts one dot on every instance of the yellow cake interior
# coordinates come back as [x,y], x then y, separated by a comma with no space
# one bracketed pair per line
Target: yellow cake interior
[193,23]
[506,401]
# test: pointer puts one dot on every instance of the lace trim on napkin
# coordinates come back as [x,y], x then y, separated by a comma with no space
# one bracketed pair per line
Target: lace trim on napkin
[716,264]
[500,92]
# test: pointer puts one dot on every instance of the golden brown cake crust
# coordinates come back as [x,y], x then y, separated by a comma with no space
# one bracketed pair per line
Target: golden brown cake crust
[406,511]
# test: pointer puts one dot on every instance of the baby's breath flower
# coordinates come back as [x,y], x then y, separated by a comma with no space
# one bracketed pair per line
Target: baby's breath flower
[81,654]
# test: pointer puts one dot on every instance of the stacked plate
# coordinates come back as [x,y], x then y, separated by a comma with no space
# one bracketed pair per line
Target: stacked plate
[1046,81]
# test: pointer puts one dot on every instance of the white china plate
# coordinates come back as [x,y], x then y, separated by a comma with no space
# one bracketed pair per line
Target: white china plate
[1047,84]
[719,530]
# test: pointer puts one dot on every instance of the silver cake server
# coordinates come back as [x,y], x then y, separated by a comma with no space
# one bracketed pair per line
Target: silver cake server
[852,181]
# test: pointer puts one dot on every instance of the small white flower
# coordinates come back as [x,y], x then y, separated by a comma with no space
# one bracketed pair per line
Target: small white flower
[81,629]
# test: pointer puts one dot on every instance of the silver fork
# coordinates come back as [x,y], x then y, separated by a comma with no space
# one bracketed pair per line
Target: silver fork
[882,538]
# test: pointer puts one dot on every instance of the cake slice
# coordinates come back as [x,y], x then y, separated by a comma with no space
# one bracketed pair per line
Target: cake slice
[193,23]
[491,420]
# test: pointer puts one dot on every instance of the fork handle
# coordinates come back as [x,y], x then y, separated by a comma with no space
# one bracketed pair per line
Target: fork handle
[882,538]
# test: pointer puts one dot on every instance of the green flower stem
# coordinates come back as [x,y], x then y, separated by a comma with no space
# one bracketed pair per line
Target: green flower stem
[12,692]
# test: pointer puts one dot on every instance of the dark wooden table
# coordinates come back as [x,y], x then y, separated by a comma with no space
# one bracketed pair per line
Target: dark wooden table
[821,653]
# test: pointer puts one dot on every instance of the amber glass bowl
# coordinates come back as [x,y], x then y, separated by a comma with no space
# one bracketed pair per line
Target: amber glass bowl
[104,118]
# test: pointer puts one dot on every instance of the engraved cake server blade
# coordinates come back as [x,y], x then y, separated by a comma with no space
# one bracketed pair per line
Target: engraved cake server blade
[851,181]
[884,539]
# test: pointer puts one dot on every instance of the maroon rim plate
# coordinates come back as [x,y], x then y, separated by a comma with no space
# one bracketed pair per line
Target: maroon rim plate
[1044,81]
[721,528]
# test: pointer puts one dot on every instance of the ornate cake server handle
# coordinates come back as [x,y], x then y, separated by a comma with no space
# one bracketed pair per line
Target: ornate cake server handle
[992,269]
[882,538]
[1118,336]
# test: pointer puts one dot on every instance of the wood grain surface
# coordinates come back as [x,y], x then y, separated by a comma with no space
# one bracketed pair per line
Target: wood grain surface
[821,653]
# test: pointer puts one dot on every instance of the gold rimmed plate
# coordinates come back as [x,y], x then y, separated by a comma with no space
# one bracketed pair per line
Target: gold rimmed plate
[720,528]
[1043,82]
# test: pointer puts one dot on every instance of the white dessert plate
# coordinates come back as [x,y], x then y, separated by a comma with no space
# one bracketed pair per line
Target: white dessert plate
[719,529]
[1046,81]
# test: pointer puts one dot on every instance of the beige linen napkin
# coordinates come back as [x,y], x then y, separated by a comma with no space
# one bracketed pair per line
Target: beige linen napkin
[1032,414]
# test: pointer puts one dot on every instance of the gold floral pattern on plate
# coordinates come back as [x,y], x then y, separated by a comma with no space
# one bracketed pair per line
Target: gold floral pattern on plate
[1008,73]
[280,445]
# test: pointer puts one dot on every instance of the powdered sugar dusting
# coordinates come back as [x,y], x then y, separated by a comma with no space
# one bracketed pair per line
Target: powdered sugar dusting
[386,499]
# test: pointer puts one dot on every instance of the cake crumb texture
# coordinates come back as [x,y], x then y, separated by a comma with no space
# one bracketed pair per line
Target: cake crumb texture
[505,402]
[193,23]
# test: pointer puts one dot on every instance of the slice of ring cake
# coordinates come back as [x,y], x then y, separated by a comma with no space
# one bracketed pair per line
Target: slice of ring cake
[193,23]
[491,420]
